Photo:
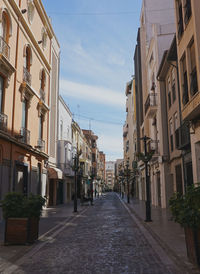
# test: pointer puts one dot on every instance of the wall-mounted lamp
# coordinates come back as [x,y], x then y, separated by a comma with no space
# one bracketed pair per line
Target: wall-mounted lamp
[24,11]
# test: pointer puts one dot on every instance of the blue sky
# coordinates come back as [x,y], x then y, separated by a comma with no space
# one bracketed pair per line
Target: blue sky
[97,40]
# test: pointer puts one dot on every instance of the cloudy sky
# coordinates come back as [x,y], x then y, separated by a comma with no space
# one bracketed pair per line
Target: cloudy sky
[97,40]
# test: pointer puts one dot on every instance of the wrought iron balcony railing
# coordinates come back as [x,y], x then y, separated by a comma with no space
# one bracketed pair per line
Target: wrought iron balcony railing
[42,95]
[151,101]
[27,76]
[184,136]
[41,144]
[25,136]
[3,121]
[4,48]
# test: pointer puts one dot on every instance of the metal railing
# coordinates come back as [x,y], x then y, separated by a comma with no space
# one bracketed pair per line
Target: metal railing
[4,48]
[25,136]
[27,76]
[41,144]
[153,147]
[184,136]
[3,121]
[151,101]
[42,95]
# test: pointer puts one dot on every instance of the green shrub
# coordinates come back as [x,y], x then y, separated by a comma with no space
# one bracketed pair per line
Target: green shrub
[186,208]
[17,205]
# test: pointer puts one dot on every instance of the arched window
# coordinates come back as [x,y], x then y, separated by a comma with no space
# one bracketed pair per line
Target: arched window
[5,27]
[27,64]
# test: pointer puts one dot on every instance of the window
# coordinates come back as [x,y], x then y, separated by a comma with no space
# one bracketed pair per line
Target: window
[5,26]
[177,131]
[61,129]
[169,93]
[180,19]
[27,59]
[171,134]
[44,38]
[27,65]
[1,93]
[24,113]
[173,85]
[43,80]
[42,85]
[31,10]
[193,73]
[41,119]
[188,11]
[5,32]
[185,97]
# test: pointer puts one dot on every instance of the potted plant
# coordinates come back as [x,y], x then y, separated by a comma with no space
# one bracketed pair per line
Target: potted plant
[186,211]
[21,214]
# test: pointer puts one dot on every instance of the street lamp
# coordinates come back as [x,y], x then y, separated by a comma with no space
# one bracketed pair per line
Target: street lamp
[146,159]
[76,169]
[127,181]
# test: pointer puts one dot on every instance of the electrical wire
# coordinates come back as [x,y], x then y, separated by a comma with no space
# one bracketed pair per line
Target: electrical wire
[98,120]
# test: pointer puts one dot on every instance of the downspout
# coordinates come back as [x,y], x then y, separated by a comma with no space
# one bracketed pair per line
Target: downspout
[14,95]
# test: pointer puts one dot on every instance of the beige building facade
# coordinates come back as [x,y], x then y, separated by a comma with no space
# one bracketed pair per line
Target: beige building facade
[188,50]
[25,76]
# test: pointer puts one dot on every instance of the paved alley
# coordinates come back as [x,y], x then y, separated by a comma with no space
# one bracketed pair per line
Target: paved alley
[104,238]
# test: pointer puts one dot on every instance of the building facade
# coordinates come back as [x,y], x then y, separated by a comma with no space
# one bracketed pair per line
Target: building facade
[25,77]
[187,35]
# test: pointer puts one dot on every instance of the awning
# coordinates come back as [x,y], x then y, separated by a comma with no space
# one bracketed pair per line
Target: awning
[55,173]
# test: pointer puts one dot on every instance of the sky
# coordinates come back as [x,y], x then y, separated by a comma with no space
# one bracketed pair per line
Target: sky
[97,41]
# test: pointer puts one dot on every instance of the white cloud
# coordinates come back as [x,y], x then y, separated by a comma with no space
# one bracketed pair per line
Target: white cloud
[97,94]
[111,145]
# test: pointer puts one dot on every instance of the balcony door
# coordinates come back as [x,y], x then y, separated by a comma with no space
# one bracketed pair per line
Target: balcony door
[24,113]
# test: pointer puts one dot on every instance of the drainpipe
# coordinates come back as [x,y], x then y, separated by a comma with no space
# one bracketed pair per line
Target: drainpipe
[14,95]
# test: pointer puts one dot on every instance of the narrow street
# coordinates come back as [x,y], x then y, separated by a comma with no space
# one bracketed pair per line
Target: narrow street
[102,239]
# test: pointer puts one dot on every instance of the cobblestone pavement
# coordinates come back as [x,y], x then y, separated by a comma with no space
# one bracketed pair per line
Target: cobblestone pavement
[103,239]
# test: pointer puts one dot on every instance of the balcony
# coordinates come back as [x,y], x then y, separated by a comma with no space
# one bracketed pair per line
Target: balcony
[40,145]
[4,48]
[24,136]
[183,137]
[3,122]
[151,105]
[154,147]
[27,76]
[42,95]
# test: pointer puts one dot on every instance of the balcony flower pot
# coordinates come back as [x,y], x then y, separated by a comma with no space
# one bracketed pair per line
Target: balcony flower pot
[21,214]
[186,211]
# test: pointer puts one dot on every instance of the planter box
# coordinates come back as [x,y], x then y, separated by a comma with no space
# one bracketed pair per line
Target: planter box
[19,231]
[192,239]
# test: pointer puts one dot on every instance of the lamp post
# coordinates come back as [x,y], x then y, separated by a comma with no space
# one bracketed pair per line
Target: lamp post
[127,181]
[76,168]
[146,160]
[91,186]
